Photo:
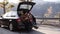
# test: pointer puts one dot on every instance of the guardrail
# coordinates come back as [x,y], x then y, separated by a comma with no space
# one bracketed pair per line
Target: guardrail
[48,18]
[48,21]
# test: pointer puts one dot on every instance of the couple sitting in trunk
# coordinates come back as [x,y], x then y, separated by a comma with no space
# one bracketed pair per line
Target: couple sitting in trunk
[23,12]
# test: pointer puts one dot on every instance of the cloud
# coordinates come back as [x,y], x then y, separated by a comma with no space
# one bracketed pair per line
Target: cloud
[52,0]
[14,1]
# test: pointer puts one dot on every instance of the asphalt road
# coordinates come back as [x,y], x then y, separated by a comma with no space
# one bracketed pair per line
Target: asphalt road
[43,29]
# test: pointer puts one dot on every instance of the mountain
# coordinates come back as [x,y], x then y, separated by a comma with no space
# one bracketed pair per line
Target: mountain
[39,10]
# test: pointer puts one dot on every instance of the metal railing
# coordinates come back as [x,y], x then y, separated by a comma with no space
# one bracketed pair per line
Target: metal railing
[48,21]
[48,18]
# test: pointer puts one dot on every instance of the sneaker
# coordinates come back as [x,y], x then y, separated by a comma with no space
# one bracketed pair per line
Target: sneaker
[35,27]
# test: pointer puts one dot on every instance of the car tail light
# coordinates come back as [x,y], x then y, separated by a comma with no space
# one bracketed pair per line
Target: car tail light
[18,20]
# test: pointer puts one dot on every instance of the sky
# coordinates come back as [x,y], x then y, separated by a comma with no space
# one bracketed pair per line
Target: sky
[52,0]
[16,1]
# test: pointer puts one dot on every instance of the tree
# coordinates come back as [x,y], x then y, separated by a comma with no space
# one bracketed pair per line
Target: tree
[4,4]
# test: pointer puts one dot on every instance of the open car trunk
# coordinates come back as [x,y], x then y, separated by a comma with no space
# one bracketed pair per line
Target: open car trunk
[25,7]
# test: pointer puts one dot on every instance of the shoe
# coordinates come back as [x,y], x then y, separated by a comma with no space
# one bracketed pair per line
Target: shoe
[35,27]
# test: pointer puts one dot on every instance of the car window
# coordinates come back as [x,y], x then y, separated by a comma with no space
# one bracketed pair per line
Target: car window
[24,6]
[11,16]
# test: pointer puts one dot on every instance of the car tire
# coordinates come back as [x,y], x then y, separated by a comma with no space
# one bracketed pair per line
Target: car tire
[29,29]
[0,25]
[11,27]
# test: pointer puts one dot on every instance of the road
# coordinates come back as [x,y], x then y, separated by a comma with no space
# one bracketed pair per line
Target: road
[43,29]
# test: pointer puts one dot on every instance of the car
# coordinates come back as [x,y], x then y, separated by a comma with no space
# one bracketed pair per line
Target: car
[20,19]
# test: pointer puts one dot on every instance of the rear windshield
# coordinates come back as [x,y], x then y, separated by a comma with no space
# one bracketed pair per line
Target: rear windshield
[24,6]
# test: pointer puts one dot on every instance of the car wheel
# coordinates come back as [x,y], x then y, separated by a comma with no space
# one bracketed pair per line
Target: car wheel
[11,27]
[29,28]
[0,25]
